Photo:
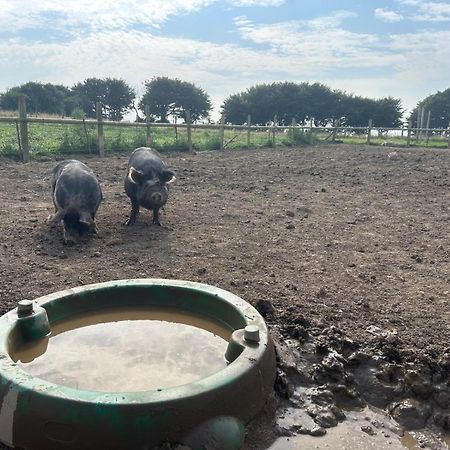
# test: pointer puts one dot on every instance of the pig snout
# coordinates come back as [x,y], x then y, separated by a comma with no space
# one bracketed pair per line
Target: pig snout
[153,194]
[157,198]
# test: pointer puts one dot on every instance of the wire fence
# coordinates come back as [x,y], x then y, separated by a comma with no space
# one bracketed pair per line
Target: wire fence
[25,136]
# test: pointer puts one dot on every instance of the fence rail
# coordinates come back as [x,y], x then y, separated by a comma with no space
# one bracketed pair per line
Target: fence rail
[50,120]
[289,132]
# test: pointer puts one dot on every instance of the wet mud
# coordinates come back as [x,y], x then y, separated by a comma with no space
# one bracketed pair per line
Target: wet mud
[372,396]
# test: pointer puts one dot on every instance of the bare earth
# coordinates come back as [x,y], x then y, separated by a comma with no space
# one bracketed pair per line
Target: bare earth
[371,243]
[330,235]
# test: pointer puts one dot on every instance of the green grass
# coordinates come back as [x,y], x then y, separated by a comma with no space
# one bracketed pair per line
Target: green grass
[9,144]
[400,141]
[55,139]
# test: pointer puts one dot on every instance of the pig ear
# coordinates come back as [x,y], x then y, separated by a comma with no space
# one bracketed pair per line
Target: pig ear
[167,176]
[135,176]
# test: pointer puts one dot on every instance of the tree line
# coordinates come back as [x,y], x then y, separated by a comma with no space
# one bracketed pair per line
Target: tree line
[170,99]
[306,102]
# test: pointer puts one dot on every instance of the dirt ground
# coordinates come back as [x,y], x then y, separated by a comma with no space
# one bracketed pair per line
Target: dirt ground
[333,235]
[338,234]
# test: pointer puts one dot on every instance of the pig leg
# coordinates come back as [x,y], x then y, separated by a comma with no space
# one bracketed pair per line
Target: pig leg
[134,212]
[95,229]
[155,220]
[68,237]
[56,218]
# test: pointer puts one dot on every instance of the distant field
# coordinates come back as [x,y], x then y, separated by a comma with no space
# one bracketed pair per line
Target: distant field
[55,139]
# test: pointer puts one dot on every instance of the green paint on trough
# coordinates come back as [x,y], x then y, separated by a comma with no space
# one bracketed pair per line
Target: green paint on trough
[36,414]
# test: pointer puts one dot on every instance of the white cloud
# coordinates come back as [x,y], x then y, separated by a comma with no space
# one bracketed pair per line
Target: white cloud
[95,14]
[320,44]
[426,11]
[387,16]
[410,2]
[331,20]
[137,56]
[86,15]
[433,12]
[257,2]
[425,65]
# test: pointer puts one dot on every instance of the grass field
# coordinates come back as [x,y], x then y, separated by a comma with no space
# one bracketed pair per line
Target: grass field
[56,139]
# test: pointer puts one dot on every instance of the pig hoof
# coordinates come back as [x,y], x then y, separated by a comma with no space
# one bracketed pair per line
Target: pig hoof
[130,222]
[156,222]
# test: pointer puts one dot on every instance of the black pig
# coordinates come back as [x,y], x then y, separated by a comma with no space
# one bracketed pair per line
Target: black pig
[147,182]
[76,196]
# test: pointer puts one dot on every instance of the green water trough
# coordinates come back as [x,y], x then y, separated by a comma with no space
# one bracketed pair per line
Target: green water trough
[209,412]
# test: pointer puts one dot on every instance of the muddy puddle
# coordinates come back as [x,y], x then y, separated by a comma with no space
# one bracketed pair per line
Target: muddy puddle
[127,350]
[367,429]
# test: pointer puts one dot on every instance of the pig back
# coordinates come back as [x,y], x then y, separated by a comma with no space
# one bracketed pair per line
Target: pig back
[76,186]
[147,160]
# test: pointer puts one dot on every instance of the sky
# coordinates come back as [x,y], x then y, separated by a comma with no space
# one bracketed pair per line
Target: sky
[373,48]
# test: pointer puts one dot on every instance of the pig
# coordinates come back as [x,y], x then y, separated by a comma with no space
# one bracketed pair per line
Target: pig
[393,156]
[76,196]
[147,183]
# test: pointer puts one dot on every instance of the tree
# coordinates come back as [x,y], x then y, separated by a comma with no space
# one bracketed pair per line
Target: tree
[263,102]
[235,109]
[39,97]
[118,99]
[304,102]
[173,97]
[88,93]
[115,95]
[299,101]
[388,112]
[439,106]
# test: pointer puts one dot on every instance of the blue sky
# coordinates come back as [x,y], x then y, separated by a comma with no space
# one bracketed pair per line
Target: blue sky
[373,48]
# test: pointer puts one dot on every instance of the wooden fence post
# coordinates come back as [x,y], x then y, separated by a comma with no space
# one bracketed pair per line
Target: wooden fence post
[419,115]
[149,139]
[189,130]
[100,135]
[311,131]
[369,131]
[249,124]
[86,133]
[448,136]
[408,137]
[24,144]
[221,131]
[334,132]
[293,131]
[273,130]
[427,132]
[422,122]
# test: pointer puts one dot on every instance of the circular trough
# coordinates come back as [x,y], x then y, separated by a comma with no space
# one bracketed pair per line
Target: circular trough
[210,410]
